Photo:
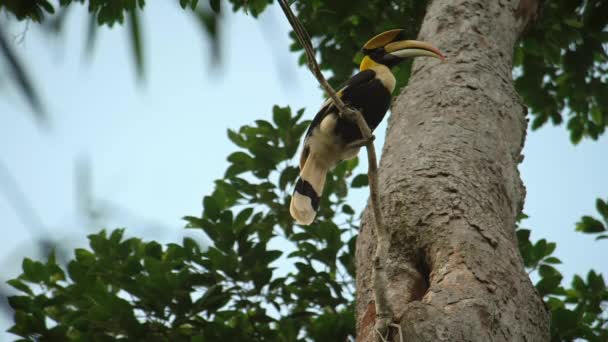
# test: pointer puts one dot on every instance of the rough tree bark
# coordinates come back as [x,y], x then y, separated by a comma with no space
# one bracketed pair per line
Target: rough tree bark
[451,190]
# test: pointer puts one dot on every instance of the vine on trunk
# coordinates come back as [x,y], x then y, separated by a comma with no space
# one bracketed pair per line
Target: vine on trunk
[380,279]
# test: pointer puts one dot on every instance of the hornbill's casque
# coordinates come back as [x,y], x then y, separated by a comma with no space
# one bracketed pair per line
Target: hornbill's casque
[330,138]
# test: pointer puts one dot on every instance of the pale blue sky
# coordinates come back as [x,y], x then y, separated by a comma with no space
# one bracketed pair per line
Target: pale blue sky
[155,148]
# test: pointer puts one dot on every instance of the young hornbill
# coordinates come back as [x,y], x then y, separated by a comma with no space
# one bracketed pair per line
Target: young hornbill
[330,138]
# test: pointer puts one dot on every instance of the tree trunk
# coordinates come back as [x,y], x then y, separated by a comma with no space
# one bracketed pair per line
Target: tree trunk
[451,190]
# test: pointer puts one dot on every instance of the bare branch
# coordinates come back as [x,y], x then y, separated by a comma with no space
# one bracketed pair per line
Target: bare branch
[380,279]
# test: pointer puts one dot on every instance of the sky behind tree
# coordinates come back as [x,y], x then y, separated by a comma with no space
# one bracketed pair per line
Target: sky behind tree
[155,147]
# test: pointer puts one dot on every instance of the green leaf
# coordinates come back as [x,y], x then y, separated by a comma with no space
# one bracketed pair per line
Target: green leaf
[242,217]
[84,256]
[575,125]
[596,283]
[116,236]
[154,250]
[602,208]
[19,285]
[550,280]
[237,139]
[288,176]
[359,181]
[550,248]
[573,23]
[191,246]
[539,121]
[197,338]
[133,266]
[212,300]
[281,116]
[33,271]
[523,234]
[91,36]
[589,224]
[215,5]
[212,208]
[47,6]
[20,302]
[552,260]
[540,249]
[20,74]
[272,256]
[241,158]
[520,217]
[136,43]
[564,319]
[347,209]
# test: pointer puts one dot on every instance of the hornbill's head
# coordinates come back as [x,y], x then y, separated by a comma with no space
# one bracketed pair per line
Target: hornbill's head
[391,48]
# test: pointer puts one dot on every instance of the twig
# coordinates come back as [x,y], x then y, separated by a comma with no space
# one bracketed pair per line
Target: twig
[304,39]
[380,279]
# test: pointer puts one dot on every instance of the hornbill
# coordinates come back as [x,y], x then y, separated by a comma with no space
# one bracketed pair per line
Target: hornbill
[331,138]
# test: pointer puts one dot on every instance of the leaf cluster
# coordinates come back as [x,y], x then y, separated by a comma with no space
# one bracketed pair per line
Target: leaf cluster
[560,65]
[101,12]
[118,290]
[128,289]
[563,63]
[591,225]
[106,12]
[578,311]
[232,290]
[339,29]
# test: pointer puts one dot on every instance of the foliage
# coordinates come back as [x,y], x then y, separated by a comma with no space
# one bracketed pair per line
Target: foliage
[28,9]
[102,12]
[562,60]
[578,311]
[131,289]
[564,63]
[560,63]
[591,225]
[106,12]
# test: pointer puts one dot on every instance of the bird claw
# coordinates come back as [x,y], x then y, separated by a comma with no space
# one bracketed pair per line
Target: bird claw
[361,142]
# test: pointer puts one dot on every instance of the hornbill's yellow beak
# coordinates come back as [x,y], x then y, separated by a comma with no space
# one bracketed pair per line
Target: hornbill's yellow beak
[391,47]
[412,48]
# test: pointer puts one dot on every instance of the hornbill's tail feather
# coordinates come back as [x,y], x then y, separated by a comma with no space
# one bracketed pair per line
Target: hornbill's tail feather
[309,187]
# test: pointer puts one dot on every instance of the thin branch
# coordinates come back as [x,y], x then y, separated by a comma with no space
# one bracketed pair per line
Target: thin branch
[304,39]
[380,279]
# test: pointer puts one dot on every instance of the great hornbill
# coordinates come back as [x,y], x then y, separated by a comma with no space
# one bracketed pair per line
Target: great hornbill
[330,138]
